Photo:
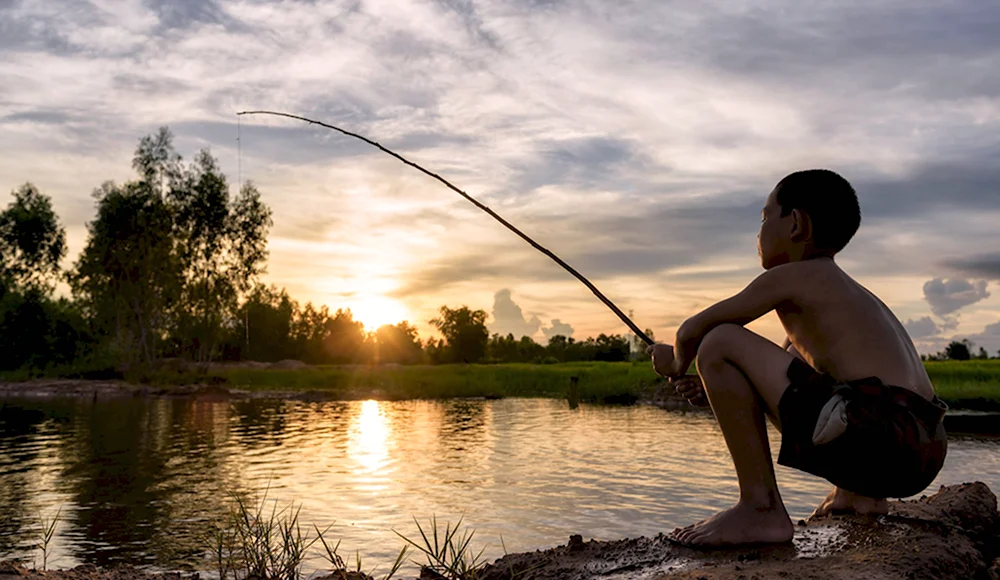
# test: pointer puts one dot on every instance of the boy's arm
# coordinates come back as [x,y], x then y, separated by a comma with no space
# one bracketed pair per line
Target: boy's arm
[761,296]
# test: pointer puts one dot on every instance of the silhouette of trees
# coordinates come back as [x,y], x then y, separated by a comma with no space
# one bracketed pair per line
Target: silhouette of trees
[35,330]
[959,350]
[169,253]
[464,332]
[31,241]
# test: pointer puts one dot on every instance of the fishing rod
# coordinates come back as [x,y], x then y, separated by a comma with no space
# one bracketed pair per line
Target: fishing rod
[621,315]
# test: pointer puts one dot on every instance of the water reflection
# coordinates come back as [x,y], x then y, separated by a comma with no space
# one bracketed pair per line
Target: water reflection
[368,443]
[139,479]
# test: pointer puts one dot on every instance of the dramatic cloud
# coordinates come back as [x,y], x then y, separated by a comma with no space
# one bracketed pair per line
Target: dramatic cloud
[921,328]
[980,266]
[637,141]
[508,319]
[989,339]
[557,327]
[947,296]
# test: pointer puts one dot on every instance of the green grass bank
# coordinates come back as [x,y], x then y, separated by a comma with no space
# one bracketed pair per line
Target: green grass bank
[971,384]
[961,384]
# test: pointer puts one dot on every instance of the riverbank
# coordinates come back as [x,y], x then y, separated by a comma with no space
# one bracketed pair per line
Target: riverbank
[973,385]
[953,534]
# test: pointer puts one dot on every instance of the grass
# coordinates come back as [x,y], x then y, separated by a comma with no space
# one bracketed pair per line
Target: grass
[252,542]
[961,384]
[257,540]
[598,381]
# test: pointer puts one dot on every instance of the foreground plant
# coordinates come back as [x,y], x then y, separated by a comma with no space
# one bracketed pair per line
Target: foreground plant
[449,555]
[254,542]
[45,535]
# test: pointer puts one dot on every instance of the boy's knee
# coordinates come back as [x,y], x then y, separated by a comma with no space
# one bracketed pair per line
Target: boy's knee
[715,345]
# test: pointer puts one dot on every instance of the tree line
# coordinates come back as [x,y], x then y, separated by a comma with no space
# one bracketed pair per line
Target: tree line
[171,270]
[960,350]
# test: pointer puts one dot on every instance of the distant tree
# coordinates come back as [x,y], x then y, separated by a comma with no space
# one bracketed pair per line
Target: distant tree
[265,327]
[611,348]
[221,246]
[556,348]
[343,338]
[501,348]
[529,351]
[397,343]
[170,254]
[958,350]
[127,276]
[465,332]
[31,241]
[983,355]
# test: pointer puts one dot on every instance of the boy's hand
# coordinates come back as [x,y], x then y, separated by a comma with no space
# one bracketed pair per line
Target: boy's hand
[691,388]
[663,359]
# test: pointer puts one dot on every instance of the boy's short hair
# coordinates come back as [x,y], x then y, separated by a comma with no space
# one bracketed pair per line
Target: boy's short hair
[829,201]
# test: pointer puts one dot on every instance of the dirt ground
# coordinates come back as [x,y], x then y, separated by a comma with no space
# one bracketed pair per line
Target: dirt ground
[952,534]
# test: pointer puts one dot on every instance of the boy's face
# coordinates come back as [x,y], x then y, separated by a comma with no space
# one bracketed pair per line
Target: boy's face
[774,240]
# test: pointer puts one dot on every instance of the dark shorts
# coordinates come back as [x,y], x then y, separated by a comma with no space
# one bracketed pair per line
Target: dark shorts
[894,443]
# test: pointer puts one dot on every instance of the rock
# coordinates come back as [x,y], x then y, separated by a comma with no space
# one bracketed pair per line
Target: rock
[950,535]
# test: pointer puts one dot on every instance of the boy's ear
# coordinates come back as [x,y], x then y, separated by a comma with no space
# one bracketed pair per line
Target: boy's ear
[801,226]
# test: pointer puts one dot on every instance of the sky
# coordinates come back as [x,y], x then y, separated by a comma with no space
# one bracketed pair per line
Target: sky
[635,139]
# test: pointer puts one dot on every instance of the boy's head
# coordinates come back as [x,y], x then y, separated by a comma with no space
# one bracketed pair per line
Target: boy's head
[809,214]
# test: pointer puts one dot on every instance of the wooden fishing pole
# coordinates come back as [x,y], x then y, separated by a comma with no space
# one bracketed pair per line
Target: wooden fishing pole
[628,322]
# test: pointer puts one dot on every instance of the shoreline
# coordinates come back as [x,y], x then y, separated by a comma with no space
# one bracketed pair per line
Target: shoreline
[953,534]
[969,410]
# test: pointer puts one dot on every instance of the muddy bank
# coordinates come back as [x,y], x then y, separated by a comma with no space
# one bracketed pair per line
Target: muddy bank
[952,534]
[115,388]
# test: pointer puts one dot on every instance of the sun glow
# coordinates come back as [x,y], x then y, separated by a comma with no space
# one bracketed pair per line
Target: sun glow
[374,311]
[368,442]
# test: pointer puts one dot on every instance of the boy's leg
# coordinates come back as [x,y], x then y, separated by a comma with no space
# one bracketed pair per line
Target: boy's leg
[745,376]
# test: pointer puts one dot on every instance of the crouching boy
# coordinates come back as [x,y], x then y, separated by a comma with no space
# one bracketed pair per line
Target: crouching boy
[849,393]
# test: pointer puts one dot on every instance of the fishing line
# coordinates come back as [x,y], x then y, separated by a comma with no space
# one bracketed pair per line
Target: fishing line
[621,315]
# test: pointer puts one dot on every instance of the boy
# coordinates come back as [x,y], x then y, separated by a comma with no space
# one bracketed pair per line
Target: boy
[848,393]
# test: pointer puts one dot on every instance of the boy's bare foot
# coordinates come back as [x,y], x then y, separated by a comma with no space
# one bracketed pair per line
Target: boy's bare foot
[740,524]
[843,501]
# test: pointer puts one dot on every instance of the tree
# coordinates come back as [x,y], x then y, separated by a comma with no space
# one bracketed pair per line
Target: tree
[983,355]
[465,332]
[171,254]
[31,241]
[221,249]
[127,275]
[397,343]
[266,327]
[959,350]
[343,337]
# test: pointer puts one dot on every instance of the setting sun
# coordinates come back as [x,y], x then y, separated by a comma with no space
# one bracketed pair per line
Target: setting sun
[374,311]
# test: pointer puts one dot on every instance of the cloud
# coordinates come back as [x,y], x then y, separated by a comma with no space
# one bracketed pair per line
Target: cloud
[980,265]
[947,296]
[989,339]
[557,327]
[508,318]
[921,328]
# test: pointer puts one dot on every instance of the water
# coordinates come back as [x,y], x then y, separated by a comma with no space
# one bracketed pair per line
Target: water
[141,480]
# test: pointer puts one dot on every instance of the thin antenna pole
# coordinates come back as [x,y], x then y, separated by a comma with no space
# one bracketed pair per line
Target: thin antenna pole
[621,315]
[239,177]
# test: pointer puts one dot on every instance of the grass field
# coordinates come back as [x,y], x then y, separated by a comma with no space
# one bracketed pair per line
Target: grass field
[968,384]
[957,382]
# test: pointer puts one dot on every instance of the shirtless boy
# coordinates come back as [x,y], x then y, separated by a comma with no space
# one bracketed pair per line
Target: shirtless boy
[848,393]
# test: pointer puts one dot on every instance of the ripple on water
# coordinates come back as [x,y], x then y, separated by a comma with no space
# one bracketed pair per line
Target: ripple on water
[138,480]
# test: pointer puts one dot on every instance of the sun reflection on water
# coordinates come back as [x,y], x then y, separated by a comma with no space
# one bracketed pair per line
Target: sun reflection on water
[368,438]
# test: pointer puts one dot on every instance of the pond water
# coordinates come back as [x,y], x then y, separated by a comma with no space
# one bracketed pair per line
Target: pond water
[141,480]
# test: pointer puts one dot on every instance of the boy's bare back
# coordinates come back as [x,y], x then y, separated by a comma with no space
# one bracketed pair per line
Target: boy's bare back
[841,328]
